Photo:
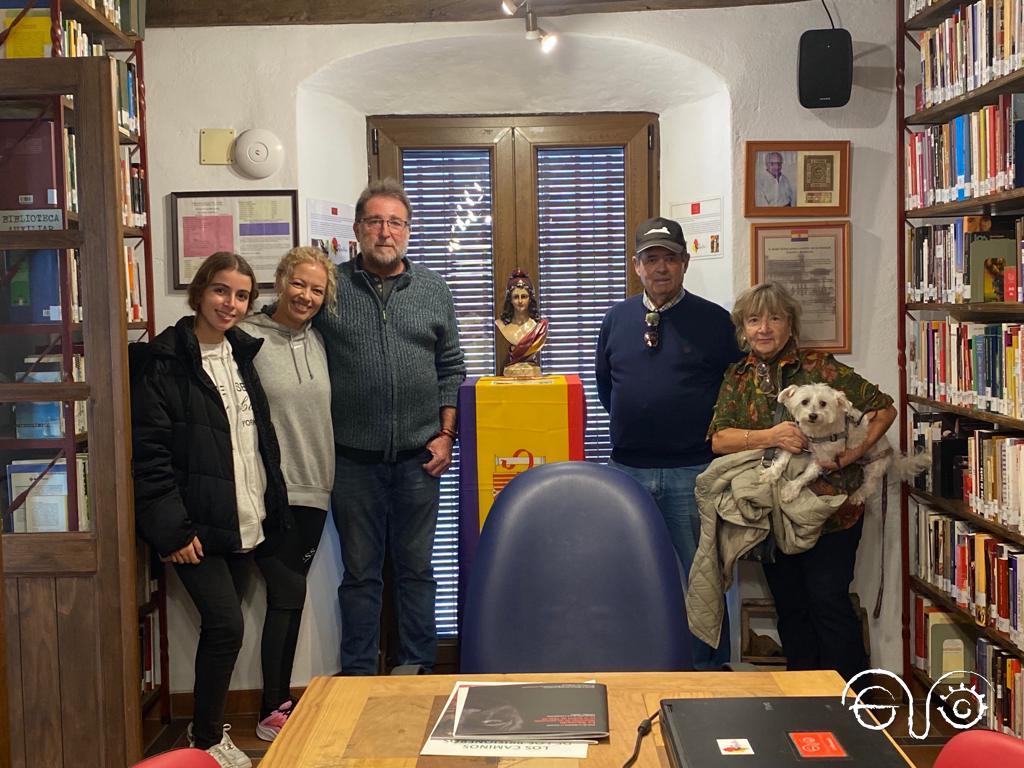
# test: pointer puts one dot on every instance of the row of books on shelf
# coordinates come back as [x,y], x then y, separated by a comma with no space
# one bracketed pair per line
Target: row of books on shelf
[967,364]
[977,43]
[45,420]
[32,37]
[147,573]
[34,287]
[981,573]
[149,653]
[972,155]
[37,496]
[133,196]
[942,645]
[972,259]
[974,464]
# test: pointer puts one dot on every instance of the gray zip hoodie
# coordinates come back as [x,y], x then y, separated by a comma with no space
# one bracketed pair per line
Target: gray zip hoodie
[292,366]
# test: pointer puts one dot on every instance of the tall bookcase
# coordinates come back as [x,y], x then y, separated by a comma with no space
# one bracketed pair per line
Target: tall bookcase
[960,356]
[75,593]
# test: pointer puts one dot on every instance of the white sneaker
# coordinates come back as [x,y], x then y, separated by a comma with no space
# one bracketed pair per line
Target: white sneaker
[226,753]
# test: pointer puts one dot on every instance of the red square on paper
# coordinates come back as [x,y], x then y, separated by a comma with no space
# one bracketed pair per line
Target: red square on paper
[694,209]
[813,744]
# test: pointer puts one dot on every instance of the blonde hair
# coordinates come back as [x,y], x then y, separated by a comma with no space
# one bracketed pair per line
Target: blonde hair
[765,298]
[307,254]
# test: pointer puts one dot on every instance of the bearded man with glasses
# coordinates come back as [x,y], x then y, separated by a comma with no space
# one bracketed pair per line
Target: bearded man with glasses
[396,364]
[660,361]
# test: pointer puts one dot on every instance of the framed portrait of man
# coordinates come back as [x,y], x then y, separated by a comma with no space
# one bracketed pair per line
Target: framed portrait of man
[797,178]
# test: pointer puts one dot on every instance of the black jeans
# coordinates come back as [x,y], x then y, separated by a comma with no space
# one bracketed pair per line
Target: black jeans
[284,560]
[817,623]
[216,586]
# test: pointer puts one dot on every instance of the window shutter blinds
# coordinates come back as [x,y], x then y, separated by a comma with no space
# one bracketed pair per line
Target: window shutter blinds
[450,192]
[581,223]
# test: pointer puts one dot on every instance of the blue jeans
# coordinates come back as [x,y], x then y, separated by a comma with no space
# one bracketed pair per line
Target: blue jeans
[672,489]
[392,506]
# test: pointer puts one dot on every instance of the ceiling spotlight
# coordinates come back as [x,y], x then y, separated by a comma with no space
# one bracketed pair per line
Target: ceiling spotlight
[510,7]
[532,30]
[548,41]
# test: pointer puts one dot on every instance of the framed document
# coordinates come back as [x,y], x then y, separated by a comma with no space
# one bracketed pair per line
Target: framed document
[797,178]
[259,226]
[812,260]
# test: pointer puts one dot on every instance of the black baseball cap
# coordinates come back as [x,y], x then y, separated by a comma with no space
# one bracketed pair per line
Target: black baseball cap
[660,232]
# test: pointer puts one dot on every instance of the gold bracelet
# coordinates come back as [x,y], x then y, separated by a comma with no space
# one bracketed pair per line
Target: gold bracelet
[746,440]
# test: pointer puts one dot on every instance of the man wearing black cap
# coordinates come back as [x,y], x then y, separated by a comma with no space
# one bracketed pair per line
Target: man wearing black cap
[660,361]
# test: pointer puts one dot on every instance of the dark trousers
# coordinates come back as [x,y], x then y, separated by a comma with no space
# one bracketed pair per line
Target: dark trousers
[284,559]
[817,623]
[216,586]
[389,507]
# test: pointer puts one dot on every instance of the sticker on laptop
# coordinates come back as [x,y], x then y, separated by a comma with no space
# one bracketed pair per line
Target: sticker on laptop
[815,744]
[734,747]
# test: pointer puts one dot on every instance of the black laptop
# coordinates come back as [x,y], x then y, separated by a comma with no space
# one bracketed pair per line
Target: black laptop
[776,732]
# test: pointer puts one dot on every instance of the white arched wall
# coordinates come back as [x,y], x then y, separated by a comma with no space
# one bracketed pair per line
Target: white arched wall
[274,78]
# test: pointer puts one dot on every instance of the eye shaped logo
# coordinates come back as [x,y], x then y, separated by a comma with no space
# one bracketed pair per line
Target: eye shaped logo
[962,706]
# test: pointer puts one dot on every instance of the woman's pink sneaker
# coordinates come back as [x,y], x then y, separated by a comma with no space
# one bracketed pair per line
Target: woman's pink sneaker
[271,725]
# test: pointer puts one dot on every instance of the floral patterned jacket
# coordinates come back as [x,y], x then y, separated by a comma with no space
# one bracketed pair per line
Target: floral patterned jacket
[743,403]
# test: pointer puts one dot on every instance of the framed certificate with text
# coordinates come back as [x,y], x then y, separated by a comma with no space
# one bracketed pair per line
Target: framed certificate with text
[260,226]
[812,260]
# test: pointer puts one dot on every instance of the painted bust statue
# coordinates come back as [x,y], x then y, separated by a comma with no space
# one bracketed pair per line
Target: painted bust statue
[522,327]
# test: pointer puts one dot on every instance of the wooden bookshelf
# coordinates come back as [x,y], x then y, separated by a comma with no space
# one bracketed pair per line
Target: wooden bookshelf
[996,310]
[960,510]
[71,614]
[979,97]
[947,603]
[933,14]
[974,413]
[1000,203]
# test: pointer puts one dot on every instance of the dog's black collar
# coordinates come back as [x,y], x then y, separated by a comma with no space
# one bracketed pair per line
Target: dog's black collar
[838,435]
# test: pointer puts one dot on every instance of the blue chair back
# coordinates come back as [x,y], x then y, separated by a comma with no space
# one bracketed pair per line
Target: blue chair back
[575,572]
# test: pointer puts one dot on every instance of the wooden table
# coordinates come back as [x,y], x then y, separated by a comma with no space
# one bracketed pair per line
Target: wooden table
[382,722]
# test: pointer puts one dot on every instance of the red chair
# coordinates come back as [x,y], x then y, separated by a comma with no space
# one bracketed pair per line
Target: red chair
[981,749]
[180,758]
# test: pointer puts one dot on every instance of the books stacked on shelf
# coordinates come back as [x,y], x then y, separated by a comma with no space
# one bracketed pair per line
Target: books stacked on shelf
[1003,671]
[956,263]
[128,95]
[941,643]
[77,42]
[42,420]
[28,196]
[972,46]
[37,496]
[967,364]
[71,170]
[970,156]
[983,575]
[133,198]
[134,311]
[34,286]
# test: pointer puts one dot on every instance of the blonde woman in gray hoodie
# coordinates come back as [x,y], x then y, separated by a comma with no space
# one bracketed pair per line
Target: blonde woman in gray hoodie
[292,366]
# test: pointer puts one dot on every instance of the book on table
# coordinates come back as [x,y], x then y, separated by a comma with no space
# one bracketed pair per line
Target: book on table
[533,712]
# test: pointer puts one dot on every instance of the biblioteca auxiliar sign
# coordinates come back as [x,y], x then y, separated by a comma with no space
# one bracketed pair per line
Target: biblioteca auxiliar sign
[42,218]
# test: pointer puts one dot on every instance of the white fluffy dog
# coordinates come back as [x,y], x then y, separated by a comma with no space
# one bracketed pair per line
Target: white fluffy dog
[832,424]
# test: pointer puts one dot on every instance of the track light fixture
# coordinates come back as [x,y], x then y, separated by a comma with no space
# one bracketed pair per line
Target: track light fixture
[547,40]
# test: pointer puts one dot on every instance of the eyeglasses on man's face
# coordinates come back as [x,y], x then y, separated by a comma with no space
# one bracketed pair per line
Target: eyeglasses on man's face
[394,223]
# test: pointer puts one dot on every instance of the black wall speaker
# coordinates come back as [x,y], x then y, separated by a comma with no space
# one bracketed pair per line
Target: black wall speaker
[825,67]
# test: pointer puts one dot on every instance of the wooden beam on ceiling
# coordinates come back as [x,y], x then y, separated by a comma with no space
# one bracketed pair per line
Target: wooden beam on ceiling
[216,13]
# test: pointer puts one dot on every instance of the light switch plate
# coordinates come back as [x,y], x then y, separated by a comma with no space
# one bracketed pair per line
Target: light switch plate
[215,145]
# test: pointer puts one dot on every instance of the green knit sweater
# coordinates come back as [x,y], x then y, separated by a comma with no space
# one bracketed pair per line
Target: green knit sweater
[393,363]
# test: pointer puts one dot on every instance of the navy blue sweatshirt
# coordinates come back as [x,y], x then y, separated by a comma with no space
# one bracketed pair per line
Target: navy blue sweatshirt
[661,400]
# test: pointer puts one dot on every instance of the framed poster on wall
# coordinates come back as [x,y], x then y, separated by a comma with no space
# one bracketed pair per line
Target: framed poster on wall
[797,178]
[812,260]
[260,226]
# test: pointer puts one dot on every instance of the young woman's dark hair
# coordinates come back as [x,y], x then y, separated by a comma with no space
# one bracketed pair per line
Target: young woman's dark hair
[215,263]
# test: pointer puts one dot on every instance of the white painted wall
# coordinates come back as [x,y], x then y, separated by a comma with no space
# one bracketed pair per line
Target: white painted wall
[674,63]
